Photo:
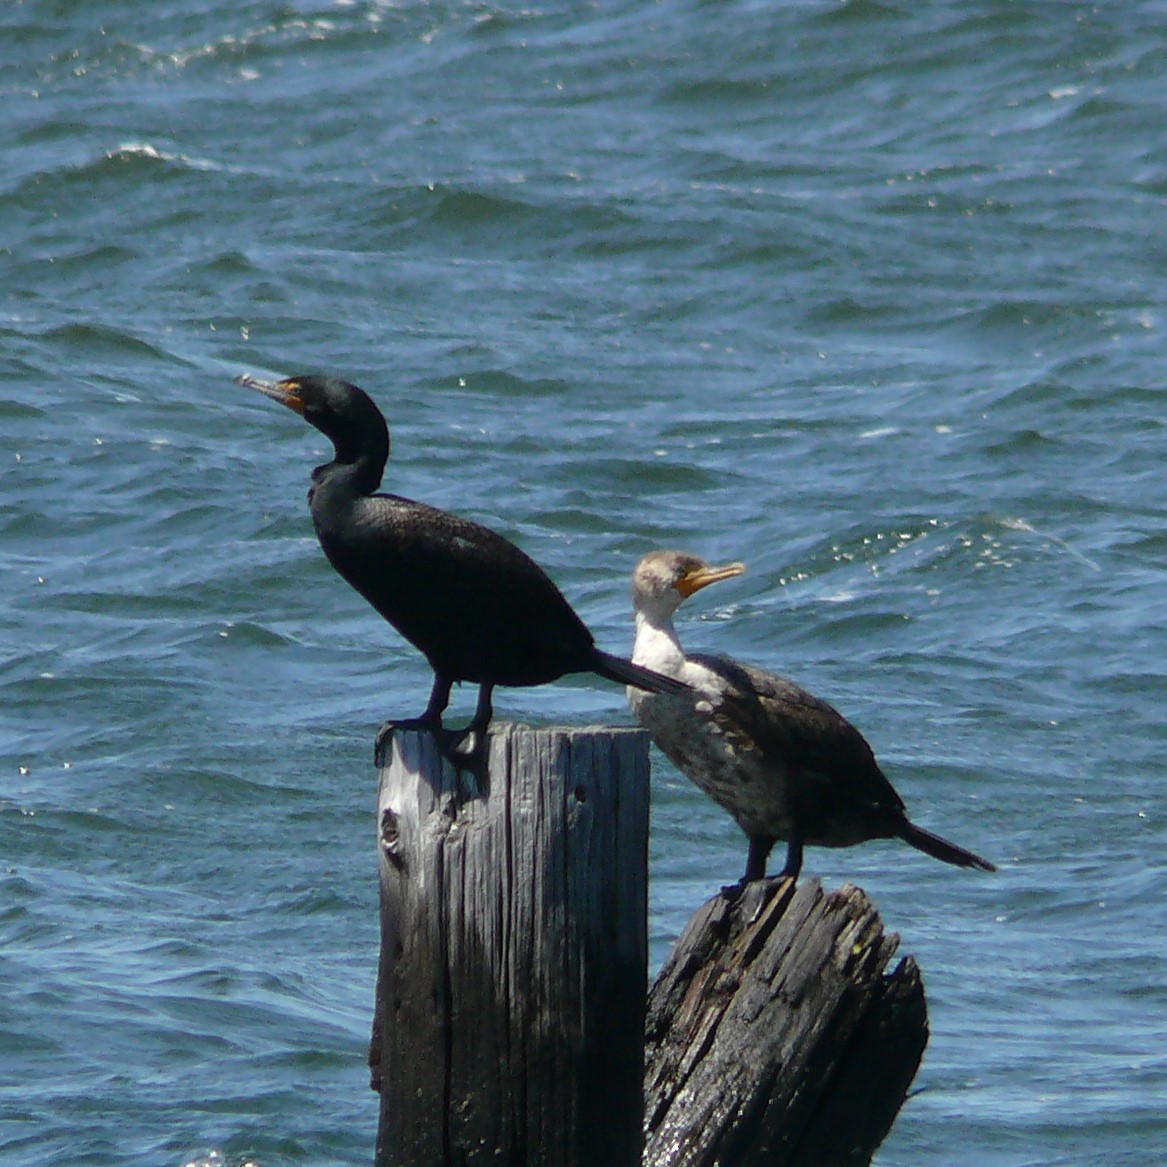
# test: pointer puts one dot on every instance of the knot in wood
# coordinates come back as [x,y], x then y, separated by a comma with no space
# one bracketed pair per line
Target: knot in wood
[391,839]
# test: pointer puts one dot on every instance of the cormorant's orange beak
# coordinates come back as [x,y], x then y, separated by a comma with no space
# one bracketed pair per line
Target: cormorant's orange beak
[285,392]
[702,577]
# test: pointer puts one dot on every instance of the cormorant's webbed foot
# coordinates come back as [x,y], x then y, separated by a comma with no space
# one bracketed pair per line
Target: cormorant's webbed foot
[452,743]
[759,854]
[389,728]
[431,719]
[465,750]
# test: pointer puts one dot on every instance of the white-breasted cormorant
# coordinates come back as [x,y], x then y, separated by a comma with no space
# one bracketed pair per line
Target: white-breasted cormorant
[479,609]
[785,764]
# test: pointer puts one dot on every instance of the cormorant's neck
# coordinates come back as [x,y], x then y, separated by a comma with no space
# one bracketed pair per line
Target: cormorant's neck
[656,645]
[359,462]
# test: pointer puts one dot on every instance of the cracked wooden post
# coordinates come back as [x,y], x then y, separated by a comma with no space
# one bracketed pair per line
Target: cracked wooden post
[509,1021]
[775,1036]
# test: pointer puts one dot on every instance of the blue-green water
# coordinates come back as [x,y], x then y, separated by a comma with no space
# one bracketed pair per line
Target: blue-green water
[869,295]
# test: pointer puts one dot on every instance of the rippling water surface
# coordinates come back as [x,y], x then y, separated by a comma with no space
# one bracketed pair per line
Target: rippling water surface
[866,294]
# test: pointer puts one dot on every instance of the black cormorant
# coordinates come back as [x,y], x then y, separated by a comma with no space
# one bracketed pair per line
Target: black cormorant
[785,764]
[479,609]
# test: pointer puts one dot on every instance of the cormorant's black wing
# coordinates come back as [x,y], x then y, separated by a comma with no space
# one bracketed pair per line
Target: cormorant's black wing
[462,593]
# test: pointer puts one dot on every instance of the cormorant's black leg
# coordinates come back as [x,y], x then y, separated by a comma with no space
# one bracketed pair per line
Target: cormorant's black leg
[793,856]
[484,710]
[439,699]
[474,758]
[760,848]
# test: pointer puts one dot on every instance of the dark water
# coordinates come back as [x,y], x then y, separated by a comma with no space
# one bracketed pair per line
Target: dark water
[869,295]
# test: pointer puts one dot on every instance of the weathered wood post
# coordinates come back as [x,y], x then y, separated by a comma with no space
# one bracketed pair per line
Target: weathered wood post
[509,1023]
[775,1037]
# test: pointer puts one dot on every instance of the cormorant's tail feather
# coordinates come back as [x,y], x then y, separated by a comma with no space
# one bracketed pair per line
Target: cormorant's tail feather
[942,849]
[624,672]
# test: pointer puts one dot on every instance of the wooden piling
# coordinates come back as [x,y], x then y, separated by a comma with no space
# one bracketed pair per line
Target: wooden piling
[509,1023]
[775,1039]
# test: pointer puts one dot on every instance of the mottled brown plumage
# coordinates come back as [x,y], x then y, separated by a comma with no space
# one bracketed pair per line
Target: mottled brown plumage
[785,764]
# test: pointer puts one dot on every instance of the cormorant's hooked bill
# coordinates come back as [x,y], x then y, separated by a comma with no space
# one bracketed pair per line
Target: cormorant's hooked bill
[478,608]
[785,764]
[285,392]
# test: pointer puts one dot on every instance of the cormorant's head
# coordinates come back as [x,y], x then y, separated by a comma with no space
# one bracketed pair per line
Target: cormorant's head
[342,412]
[664,579]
